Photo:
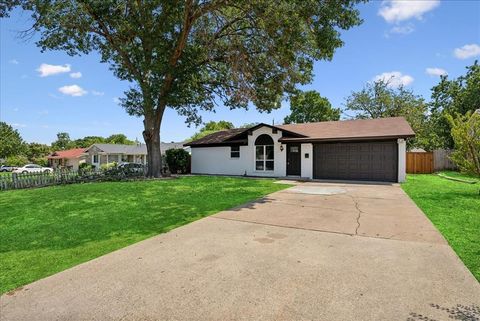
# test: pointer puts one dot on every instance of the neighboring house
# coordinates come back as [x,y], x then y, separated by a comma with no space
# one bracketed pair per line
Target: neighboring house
[99,154]
[366,149]
[70,158]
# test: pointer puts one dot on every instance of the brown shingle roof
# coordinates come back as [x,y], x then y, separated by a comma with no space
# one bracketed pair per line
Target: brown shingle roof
[391,127]
[217,137]
[355,129]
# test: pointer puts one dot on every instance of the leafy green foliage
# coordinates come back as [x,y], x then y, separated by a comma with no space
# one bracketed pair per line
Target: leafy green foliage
[63,142]
[17,160]
[178,160]
[378,100]
[450,97]
[189,55]
[212,127]
[54,228]
[11,143]
[453,209]
[309,106]
[466,135]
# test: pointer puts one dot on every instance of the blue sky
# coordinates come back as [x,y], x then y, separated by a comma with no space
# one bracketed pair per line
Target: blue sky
[78,94]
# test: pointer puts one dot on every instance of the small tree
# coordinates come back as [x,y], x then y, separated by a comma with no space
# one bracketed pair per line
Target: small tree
[11,143]
[466,136]
[309,106]
[178,160]
[63,142]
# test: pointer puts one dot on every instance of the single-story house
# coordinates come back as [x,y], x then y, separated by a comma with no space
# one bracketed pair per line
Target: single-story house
[99,154]
[363,149]
[70,158]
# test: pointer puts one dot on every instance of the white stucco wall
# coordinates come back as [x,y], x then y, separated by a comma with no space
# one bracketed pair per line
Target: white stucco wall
[402,160]
[307,163]
[280,159]
[217,160]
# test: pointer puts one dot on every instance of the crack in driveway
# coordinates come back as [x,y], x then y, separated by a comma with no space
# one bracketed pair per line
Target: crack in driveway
[360,212]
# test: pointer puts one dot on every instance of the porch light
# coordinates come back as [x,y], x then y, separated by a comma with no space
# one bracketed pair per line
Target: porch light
[281,148]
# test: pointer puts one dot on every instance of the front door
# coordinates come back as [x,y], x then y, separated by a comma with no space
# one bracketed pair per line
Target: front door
[293,159]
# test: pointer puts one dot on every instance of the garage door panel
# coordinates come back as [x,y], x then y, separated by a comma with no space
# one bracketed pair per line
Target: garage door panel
[356,161]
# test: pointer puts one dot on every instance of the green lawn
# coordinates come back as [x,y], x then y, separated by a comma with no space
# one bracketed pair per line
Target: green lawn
[47,230]
[454,208]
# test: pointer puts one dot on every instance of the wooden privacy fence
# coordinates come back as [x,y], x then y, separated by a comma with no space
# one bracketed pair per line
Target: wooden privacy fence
[441,160]
[419,163]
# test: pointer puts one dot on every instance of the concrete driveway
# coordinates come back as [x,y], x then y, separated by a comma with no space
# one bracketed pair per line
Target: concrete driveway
[316,251]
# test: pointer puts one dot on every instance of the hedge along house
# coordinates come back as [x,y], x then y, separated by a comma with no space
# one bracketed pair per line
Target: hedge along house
[365,149]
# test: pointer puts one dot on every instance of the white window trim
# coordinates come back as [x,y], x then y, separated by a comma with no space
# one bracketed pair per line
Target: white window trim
[234,158]
[264,160]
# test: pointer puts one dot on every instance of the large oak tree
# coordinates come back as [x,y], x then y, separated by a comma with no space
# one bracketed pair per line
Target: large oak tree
[193,54]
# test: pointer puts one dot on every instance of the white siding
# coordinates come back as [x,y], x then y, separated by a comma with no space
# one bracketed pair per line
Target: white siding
[307,163]
[402,162]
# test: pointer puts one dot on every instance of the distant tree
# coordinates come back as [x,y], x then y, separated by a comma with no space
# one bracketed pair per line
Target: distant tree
[451,97]
[11,143]
[119,139]
[466,136]
[212,127]
[309,106]
[63,142]
[249,125]
[87,141]
[36,153]
[379,100]
[187,55]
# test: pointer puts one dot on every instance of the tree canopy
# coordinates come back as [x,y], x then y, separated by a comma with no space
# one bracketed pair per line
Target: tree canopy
[309,106]
[450,97]
[379,99]
[192,54]
[212,127]
[11,143]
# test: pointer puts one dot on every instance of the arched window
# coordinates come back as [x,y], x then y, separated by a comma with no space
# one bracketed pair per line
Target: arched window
[264,153]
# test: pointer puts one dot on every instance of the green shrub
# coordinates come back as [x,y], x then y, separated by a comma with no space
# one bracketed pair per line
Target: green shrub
[17,160]
[178,160]
[86,167]
[108,165]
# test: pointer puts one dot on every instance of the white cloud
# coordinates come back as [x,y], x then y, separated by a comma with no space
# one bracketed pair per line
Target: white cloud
[17,125]
[97,93]
[45,126]
[48,70]
[73,90]
[394,79]
[116,100]
[13,61]
[467,51]
[401,10]
[436,71]
[403,30]
[77,74]
[15,109]
[43,112]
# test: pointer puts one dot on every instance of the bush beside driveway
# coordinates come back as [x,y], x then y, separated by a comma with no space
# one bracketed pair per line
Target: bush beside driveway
[47,230]
[454,208]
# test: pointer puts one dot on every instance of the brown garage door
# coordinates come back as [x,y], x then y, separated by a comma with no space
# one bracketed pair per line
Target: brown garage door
[370,161]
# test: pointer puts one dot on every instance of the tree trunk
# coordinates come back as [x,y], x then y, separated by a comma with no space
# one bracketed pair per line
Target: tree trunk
[151,134]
